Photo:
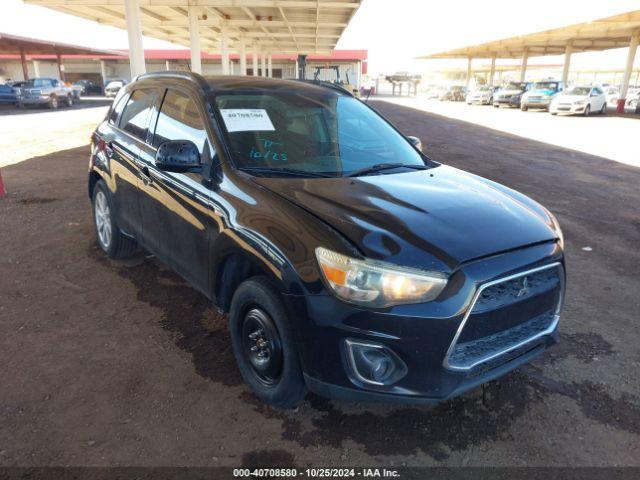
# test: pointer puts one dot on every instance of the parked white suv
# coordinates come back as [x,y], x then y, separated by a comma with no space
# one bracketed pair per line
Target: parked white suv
[579,100]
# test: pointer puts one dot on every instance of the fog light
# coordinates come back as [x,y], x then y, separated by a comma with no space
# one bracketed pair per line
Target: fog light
[373,364]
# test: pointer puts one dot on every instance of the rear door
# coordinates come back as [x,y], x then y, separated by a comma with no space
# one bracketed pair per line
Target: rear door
[130,133]
[175,206]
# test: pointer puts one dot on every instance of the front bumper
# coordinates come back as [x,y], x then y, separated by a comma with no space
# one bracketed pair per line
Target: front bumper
[567,109]
[507,102]
[544,103]
[479,101]
[34,100]
[422,336]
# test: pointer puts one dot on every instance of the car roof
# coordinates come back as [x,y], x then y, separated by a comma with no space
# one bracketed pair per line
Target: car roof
[232,83]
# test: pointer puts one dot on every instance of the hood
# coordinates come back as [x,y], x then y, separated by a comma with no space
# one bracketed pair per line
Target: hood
[433,219]
[571,98]
[509,92]
[542,91]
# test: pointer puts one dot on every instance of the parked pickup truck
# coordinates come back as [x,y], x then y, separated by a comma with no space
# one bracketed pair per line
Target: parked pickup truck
[45,91]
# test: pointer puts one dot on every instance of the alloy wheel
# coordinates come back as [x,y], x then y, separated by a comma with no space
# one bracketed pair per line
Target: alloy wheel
[102,214]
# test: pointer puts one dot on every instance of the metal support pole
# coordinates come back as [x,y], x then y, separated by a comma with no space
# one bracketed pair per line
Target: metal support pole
[224,50]
[25,67]
[468,72]
[633,46]
[194,41]
[167,65]
[243,57]
[60,68]
[103,72]
[270,65]
[134,32]
[254,55]
[567,62]
[263,63]
[36,68]
[493,70]
[523,66]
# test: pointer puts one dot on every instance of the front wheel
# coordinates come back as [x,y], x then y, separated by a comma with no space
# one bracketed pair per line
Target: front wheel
[524,108]
[69,101]
[53,102]
[587,110]
[263,344]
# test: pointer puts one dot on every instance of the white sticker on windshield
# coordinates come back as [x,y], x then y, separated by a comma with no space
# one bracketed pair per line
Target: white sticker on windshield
[246,119]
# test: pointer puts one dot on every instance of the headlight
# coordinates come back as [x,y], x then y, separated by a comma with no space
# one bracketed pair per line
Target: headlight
[377,284]
[557,229]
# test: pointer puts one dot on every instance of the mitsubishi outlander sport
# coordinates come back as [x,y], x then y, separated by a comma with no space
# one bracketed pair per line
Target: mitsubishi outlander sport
[349,262]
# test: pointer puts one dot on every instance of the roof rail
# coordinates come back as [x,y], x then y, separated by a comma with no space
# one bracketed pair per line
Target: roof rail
[182,74]
[325,84]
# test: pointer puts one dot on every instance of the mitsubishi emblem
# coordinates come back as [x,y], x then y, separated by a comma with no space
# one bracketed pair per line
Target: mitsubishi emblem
[525,287]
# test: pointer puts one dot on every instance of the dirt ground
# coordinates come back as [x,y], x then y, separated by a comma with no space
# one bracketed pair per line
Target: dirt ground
[114,364]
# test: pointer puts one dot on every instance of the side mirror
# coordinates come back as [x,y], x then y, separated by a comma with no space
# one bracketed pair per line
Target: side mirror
[178,156]
[415,141]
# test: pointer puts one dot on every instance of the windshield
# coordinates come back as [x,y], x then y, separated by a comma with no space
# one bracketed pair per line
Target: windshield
[578,91]
[514,86]
[314,133]
[114,84]
[546,86]
[486,88]
[37,82]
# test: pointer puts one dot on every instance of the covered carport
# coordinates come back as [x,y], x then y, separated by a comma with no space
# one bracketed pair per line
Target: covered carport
[25,47]
[617,31]
[263,27]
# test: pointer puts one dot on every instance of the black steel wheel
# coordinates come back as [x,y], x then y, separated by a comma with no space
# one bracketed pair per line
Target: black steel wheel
[261,345]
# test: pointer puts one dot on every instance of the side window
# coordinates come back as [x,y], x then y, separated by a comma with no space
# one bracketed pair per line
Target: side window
[179,119]
[55,83]
[135,118]
[116,110]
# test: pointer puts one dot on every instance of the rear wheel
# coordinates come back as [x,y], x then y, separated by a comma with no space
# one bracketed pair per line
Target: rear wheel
[263,344]
[110,238]
[69,101]
[603,110]
[524,108]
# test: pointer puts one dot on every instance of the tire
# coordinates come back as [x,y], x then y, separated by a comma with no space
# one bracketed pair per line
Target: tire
[110,238]
[603,110]
[496,106]
[259,325]
[524,108]
[587,111]
[553,113]
[69,101]
[53,102]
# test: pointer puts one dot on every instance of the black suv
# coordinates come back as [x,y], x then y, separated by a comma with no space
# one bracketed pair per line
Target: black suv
[349,262]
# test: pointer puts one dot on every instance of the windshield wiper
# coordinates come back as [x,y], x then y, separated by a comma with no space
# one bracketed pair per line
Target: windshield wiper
[286,171]
[378,167]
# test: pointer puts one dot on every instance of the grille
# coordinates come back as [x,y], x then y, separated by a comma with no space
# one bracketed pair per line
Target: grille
[507,315]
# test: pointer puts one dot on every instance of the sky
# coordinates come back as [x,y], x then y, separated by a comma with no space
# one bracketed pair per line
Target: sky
[394,32]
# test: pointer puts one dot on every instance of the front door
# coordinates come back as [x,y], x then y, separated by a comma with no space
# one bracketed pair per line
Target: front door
[175,206]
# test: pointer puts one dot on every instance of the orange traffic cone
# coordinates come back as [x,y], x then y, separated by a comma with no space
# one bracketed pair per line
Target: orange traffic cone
[2,192]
